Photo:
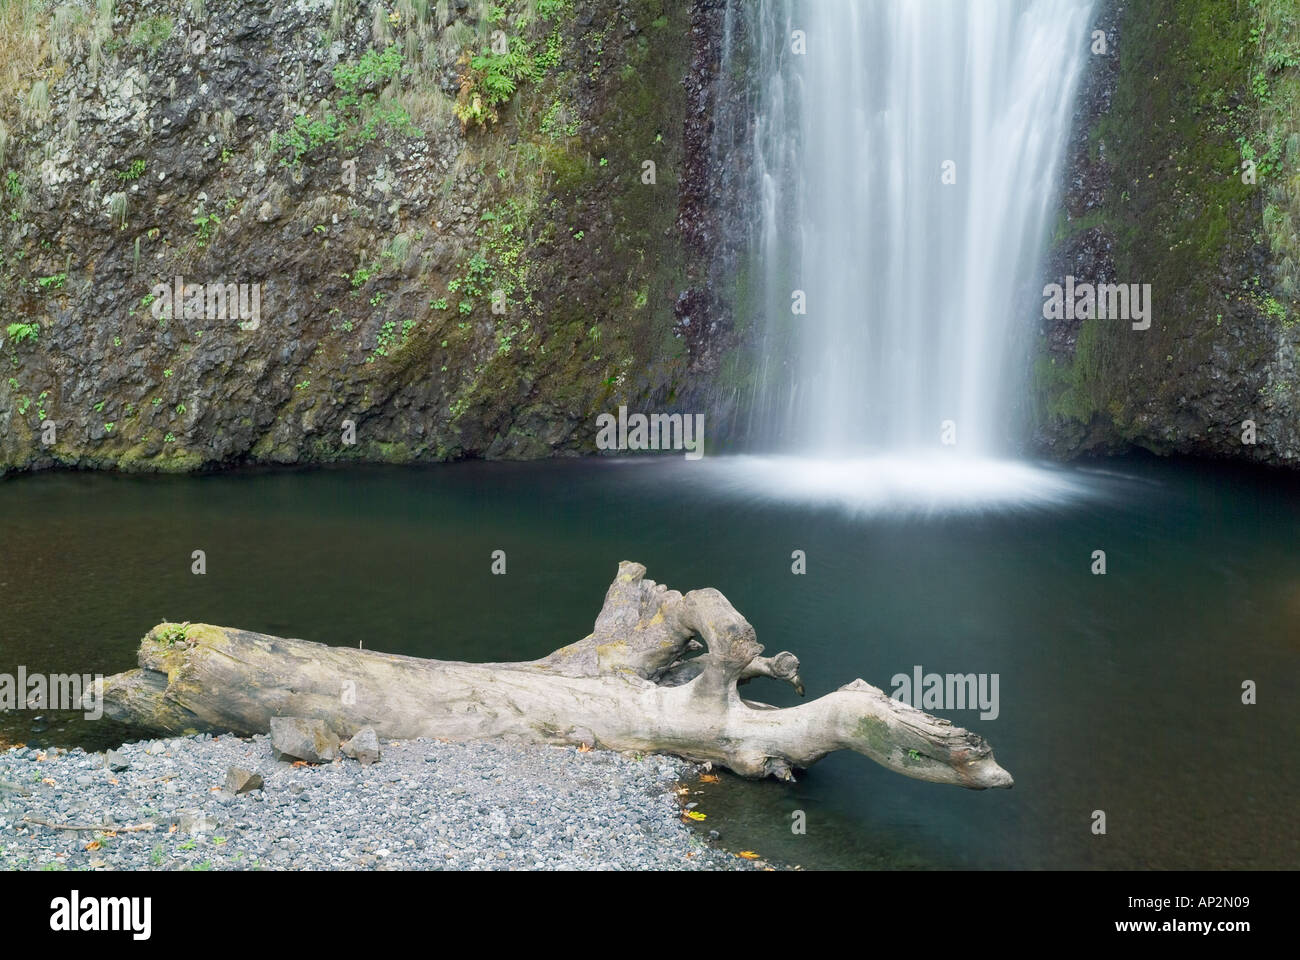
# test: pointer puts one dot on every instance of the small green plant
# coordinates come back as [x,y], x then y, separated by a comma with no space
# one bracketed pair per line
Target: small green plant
[13,184]
[55,280]
[170,438]
[384,340]
[356,115]
[133,172]
[99,407]
[188,845]
[22,332]
[173,633]
[167,372]
[152,32]
[156,855]
[439,304]
[180,408]
[108,427]
[302,386]
[205,224]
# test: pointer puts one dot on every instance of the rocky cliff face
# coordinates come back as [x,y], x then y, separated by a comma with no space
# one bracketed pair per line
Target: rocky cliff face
[1182,175]
[467,227]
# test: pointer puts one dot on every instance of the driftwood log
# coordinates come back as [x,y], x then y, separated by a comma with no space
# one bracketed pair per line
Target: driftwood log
[634,683]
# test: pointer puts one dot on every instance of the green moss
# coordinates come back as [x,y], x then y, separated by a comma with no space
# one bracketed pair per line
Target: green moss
[875,735]
[1176,208]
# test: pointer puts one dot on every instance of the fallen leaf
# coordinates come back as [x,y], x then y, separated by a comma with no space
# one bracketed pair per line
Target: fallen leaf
[113,781]
[49,782]
[709,778]
[98,864]
[172,828]
[214,789]
[696,815]
[584,748]
[93,845]
[301,763]
[748,854]
[109,833]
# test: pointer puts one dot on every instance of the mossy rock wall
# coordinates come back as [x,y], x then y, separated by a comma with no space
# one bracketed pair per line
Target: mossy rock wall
[445,205]
[1187,96]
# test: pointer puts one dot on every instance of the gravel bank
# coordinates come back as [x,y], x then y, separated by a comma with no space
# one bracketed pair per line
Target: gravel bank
[424,805]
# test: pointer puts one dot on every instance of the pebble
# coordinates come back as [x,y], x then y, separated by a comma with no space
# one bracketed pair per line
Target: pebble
[424,805]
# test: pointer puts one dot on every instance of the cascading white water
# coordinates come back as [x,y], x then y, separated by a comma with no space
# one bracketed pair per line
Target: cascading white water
[908,166]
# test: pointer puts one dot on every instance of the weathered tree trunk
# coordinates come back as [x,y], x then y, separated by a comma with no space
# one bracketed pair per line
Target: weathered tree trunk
[629,685]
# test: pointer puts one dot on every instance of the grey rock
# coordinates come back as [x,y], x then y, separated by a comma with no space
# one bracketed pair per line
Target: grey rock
[195,823]
[298,738]
[364,746]
[239,780]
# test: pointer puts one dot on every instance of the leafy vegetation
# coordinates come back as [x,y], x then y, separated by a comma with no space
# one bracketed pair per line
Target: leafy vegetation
[23,332]
[173,633]
[133,172]
[357,114]
[151,33]
[489,78]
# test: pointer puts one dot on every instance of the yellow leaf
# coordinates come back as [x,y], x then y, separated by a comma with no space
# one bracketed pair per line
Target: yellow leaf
[709,778]
[748,854]
[93,845]
[696,815]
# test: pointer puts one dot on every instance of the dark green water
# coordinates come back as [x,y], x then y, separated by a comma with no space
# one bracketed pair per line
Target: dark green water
[1119,693]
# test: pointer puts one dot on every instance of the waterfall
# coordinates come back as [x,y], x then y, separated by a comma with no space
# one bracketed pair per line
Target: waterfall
[907,158]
